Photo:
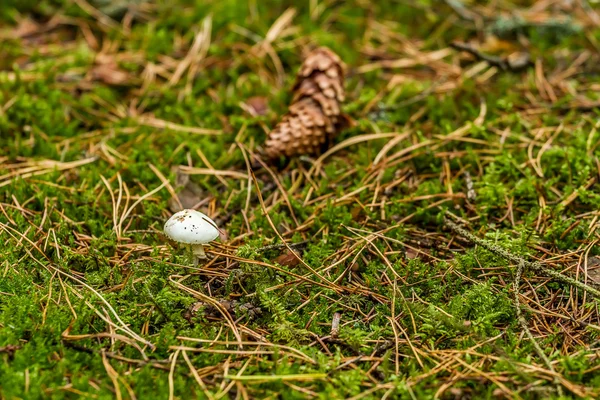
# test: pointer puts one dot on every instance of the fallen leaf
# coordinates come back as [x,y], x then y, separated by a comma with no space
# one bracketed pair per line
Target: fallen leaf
[188,193]
[107,70]
[223,236]
[357,213]
[288,259]
[518,60]
[411,254]
[257,105]
[110,74]
[26,27]
[493,44]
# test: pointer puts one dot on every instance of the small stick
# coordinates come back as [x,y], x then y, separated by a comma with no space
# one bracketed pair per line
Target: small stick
[11,348]
[505,64]
[461,10]
[523,323]
[281,245]
[534,266]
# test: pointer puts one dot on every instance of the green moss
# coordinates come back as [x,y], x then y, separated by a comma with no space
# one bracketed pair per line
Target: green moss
[403,288]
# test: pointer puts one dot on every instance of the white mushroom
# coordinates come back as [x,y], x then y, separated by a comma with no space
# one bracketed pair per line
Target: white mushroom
[193,228]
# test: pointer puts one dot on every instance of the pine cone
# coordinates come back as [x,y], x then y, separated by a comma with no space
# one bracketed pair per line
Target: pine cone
[314,117]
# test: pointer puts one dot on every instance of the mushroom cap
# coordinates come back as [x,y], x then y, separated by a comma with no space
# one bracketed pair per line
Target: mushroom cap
[191,227]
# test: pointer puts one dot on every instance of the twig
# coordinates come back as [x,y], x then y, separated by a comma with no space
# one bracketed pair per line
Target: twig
[524,326]
[504,27]
[534,266]
[588,106]
[504,63]
[281,245]
[459,8]
[10,349]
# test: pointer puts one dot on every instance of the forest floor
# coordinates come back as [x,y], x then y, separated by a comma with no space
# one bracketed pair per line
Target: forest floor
[116,114]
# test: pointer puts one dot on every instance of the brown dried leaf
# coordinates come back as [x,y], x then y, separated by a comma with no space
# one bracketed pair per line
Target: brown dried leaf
[411,254]
[518,60]
[257,105]
[107,70]
[493,44]
[288,259]
[26,27]
[110,74]
[223,235]
[357,213]
[188,193]
[189,196]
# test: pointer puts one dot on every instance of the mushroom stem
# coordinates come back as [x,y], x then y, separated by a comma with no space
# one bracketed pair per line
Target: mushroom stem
[199,253]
